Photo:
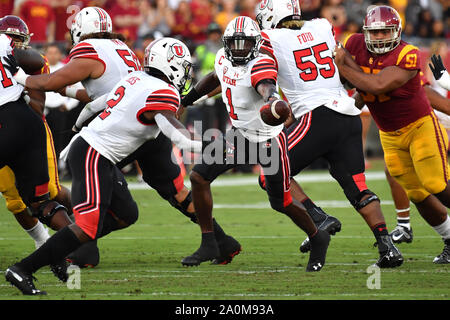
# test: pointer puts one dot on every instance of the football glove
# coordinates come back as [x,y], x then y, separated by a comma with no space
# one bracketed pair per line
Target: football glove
[437,67]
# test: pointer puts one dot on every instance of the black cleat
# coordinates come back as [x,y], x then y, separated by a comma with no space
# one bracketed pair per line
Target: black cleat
[204,253]
[391,258]
[60,270]
[444,257]
[329,224]
[85,256]
[22,281]
[228,247]
[319,247]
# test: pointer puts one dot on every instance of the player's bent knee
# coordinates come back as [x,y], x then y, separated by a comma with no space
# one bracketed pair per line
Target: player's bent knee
[435,186]
[197,179]
[52,214]
[132,214]
[363,199]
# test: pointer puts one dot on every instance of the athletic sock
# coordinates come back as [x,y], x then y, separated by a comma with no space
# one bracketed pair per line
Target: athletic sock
[316,214]
[443,229]
[218,231]
[55,249]
[404,222]
[39,233]
[381,234]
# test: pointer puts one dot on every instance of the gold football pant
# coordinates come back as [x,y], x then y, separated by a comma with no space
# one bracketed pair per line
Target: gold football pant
[416,156]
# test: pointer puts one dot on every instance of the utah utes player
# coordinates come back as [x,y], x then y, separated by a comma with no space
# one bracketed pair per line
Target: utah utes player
[140,107]
[248,81]
[386,72]
[310,81]
[99,59]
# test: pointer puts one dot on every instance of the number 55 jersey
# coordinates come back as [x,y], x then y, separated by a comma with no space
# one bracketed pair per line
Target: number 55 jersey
[306,67]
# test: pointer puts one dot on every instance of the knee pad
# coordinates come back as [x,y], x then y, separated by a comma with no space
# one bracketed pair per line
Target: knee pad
[358,204]
[47,210]
[182,206]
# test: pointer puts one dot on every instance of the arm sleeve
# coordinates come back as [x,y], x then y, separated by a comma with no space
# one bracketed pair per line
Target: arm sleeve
[90,109]
[179,139]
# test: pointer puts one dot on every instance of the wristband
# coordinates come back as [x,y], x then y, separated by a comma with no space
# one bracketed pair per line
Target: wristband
[71,92]
[274,95]
[21,77]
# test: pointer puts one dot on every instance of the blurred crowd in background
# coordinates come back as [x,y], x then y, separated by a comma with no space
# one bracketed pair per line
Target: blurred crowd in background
[200,23]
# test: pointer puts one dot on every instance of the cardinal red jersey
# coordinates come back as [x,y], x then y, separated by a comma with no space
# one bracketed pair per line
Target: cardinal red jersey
[402,106]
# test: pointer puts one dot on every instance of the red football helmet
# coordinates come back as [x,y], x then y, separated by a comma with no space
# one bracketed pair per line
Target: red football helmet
[382,18]
[17,29]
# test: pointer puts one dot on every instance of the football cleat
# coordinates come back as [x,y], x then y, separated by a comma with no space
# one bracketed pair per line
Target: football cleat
[85,256]
[60,270]
[228,247]
[401,234]
[444,257]
[319,246]
[22,281]
[204,253]
[329,224]
[391,258]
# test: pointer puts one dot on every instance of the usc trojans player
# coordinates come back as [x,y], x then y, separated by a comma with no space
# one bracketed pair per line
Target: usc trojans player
[387,76]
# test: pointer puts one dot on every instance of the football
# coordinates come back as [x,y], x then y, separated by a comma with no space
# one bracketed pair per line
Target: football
[275,112]
[30,60]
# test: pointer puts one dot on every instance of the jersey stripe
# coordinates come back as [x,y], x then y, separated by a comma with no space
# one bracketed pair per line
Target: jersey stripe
[404,51]
[262,70]
[162,100]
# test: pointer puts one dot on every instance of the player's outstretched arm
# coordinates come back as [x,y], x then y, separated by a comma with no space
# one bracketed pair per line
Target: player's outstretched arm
[75,71]
[174,130]
[439,72]
[89,111]
[437,101]
[208,86]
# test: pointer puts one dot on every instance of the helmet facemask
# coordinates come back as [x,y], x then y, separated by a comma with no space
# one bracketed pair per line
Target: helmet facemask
[240,49]
[382,46]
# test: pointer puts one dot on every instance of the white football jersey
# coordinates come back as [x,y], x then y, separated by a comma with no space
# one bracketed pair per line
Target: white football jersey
[307,74]
[116,56]
[10,90]
[240,97]
[122,128]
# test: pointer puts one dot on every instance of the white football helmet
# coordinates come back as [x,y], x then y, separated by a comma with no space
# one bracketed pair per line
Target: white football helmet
[171,57]
[271,12]
[242,40]
[90,20]
[264,14]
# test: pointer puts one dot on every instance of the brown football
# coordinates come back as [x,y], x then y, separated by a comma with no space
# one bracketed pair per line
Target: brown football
[275,112]
[30,60]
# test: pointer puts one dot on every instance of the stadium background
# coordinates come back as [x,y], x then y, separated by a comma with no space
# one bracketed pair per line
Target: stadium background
[199,23]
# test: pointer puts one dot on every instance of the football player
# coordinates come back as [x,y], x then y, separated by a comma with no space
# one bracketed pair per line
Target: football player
[16,28]
[310,80]
[99,59]
[140,107]
[248,81]
[386,73]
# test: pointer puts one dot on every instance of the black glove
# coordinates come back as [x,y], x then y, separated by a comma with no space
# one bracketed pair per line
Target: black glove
[436,66]
[10,63]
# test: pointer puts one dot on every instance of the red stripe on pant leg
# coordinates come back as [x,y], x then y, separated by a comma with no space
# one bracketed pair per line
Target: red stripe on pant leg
[360,181]
[439,136]
[41,190]
[287,198]
[88,222]
[178,182]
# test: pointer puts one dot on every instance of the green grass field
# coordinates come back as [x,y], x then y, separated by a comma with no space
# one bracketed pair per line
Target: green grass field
[143,261]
